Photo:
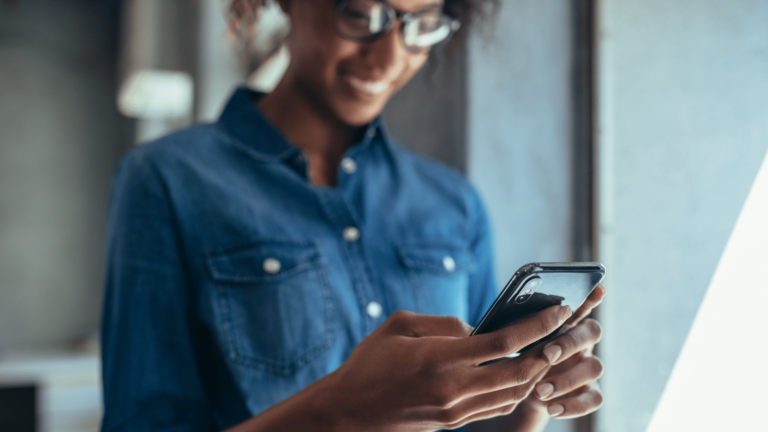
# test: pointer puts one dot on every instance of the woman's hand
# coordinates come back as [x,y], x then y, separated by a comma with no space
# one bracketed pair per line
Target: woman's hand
[570,387]
[419,373]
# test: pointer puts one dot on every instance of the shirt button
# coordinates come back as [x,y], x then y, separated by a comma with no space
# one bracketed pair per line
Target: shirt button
[351,234]
[373,309]
[449,264]
[348,165]
[271,265]
[371,132]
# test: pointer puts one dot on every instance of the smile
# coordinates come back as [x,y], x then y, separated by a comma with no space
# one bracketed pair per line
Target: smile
[368,87]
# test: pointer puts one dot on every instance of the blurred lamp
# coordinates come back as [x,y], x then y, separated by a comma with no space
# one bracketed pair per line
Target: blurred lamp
[152,94]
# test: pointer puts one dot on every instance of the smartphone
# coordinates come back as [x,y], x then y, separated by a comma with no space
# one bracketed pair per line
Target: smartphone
[537,286]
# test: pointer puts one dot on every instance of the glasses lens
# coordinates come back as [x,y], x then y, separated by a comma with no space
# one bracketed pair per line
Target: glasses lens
[361,19]
[364,20]
[426,30]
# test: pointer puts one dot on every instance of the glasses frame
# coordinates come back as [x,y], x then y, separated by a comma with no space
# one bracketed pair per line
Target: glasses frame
[394,16]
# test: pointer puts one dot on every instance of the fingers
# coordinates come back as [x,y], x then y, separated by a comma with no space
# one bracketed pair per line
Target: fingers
[506,373]
[583,337]
[411,324]
[584,401]
[509,340]
[587,371]
[485,415]
[593,300]
[503,383]
[486,405]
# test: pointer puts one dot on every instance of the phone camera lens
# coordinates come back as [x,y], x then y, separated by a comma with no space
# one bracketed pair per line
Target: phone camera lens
[527,290]
[522,298]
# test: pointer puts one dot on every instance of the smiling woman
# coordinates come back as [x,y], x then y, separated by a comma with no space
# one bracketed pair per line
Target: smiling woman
[347,63]
[292,267]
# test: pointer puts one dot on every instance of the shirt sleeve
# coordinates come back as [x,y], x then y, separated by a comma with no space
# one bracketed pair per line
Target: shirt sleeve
[150,372]
[482,280]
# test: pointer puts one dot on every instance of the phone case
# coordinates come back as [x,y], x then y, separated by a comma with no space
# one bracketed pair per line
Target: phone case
[537,286]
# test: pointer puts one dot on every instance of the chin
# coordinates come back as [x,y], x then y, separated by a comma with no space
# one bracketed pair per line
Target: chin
[359,113]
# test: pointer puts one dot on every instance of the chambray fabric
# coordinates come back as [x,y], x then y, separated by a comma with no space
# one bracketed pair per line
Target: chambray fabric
[198,334]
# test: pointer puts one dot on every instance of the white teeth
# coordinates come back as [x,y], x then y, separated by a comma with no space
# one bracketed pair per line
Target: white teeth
[369,87]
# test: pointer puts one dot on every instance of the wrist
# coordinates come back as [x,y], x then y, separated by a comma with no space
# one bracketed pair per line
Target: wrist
[321,407]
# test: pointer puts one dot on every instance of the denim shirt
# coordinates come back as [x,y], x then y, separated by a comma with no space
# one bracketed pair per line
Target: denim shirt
[233,282]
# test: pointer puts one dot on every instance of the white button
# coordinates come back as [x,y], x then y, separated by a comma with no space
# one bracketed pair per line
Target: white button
[374,309]
[271,265]
[371,132]
[449,264]
[351,234]
[348,165]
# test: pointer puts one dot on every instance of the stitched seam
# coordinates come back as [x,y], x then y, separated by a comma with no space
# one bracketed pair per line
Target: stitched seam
[312,257]
[283,274]
[260,241]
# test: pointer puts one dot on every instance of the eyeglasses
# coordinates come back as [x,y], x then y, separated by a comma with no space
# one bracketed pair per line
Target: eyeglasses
[367,20]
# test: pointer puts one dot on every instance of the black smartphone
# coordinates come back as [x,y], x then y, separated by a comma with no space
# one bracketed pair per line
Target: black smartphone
[537,286]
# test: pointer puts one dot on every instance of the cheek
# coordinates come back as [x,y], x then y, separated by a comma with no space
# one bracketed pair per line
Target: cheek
[315,47]
[317,69]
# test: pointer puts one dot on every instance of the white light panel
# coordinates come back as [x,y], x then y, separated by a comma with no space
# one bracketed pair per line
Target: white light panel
[720,380]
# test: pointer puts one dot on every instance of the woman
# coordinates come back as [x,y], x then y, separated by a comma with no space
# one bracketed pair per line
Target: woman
[264,271]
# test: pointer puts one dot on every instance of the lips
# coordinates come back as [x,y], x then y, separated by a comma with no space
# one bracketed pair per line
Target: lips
[365,86]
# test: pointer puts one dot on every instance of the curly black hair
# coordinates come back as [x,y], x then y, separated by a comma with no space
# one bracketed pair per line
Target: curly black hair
[243,15]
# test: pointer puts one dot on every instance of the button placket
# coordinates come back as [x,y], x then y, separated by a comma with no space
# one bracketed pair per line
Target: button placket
[340,214]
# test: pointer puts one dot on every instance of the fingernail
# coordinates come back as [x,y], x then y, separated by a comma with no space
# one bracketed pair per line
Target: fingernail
[544,389]
[553,352]
[555,410]
[565,312]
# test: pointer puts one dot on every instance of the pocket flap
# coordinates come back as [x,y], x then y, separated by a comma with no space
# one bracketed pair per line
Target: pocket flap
[440,258]
[262,261]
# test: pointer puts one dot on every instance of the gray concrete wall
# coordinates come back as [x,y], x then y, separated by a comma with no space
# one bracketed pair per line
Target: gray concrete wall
[519,130]
[684,126]
[428,115]
[519,133]
[59,141]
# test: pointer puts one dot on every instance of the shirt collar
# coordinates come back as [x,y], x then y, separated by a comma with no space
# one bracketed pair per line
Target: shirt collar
[243,121]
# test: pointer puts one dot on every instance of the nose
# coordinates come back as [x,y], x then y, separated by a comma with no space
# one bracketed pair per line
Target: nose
[386,53]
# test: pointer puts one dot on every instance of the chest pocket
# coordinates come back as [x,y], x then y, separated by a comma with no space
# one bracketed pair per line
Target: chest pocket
[439,276]
[273,304]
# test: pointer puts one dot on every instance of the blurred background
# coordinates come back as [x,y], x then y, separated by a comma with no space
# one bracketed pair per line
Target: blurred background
[630,132]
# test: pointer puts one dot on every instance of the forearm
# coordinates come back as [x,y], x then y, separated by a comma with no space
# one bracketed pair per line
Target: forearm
[306,410]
